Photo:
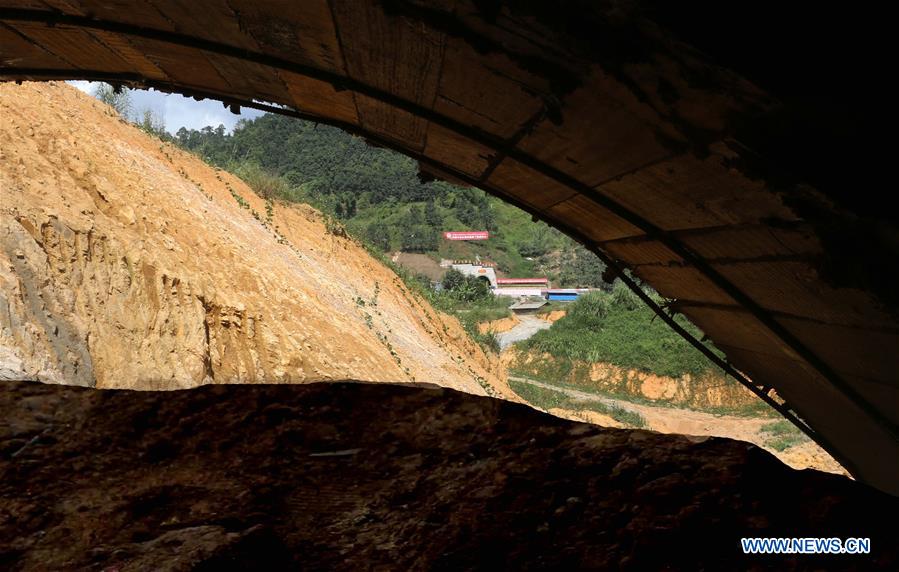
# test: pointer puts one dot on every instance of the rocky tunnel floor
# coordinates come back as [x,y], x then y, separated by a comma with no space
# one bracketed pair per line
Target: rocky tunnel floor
[352,476]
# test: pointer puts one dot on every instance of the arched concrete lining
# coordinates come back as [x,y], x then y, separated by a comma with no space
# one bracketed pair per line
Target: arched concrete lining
[599,120]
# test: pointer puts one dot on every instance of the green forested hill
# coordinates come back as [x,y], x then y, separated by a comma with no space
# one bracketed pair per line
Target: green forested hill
[378,195]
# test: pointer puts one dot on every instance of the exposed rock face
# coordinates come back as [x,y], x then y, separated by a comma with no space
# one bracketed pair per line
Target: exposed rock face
[350,477]
[125,262]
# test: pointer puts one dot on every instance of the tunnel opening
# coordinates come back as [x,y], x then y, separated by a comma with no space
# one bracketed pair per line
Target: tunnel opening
[641,153]
[606,380]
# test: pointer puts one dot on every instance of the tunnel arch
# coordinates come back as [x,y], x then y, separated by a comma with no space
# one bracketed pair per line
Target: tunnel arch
[601,121]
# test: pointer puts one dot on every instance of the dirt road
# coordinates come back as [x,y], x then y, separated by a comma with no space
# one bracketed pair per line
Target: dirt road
[699,423]
[528,326]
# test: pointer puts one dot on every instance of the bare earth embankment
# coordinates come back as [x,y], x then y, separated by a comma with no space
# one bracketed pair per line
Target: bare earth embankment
[125,262]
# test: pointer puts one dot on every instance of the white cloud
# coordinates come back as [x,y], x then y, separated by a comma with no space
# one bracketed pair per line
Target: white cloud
[178,111]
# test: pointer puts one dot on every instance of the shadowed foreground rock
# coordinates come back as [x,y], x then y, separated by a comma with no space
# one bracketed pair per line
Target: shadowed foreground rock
[351,476]
[725,154]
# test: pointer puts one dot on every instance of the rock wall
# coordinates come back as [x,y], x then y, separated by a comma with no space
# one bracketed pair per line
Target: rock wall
[125,262]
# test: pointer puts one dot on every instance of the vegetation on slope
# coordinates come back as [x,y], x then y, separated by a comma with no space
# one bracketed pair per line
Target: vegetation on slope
[469,300]
[781,435]
[616,327]
[376,196]
[297,161]
[549,399]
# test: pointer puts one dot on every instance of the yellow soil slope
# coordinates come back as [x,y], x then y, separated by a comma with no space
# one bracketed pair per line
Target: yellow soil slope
[125,262]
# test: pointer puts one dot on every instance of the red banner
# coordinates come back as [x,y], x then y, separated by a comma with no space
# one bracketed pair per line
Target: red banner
[522,281]
[472,235]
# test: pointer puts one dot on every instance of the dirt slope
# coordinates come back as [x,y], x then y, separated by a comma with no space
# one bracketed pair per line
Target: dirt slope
[127,263]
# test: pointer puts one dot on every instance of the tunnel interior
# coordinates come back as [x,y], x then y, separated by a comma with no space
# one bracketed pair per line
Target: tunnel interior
[731,174]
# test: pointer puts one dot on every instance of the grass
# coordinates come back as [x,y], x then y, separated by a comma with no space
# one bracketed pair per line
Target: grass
[757,409]
[549,399]
[782,435]
[484,310]
[264,183]
[626,416]
[614,327]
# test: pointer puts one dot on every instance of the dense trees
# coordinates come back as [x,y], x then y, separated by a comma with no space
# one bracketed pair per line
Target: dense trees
[378,234]
[433,217]
[474,210]
[581,268]
[465,288]
[319,158]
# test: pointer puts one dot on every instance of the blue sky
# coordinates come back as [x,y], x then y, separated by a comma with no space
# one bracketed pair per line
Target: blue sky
[178,111]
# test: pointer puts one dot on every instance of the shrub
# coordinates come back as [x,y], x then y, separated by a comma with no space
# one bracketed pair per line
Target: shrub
[465,288]
[152,123]
[453,280]
[623,297]
[488,341]
[599,329]
[265,184]
[590,310]
[119,99]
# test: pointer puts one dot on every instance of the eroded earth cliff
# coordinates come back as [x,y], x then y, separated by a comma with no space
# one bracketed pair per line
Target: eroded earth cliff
[127,263]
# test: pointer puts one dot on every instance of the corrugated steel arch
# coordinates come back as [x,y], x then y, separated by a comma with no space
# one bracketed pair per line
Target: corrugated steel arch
[599,121]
